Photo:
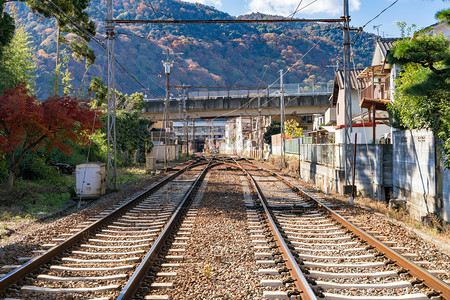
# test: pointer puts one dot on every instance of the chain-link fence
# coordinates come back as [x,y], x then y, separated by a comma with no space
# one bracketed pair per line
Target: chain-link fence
[330,155]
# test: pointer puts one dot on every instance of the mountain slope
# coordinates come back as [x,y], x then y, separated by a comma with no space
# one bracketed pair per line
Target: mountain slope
[212,54]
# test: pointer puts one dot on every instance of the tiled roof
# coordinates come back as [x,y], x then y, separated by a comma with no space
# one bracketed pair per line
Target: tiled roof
[386,44]
[339,83]
[355,83]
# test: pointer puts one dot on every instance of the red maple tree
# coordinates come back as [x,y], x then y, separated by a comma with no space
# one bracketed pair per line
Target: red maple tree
[27,123]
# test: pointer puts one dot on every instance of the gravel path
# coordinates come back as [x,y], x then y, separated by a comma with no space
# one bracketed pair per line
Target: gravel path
[219,261]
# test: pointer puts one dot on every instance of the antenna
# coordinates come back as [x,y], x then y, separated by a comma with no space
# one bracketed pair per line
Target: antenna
[377,27]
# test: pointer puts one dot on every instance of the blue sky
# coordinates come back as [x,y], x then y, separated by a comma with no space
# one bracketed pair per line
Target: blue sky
[419,12]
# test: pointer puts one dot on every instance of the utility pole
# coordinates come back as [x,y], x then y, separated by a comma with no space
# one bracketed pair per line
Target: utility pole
[186,128]
[282,117]
[167,64]
[260,144]
[111,167]
[235,137]
[347,96]
[211,144]
[193,135]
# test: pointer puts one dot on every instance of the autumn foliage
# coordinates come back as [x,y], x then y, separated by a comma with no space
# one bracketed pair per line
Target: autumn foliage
[26,123]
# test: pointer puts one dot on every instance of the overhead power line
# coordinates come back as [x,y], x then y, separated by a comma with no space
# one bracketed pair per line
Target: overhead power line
[102,44]
[368,22]
[231,21]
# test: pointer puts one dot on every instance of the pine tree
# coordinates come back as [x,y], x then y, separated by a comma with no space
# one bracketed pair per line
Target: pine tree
[17,63]
[422,98]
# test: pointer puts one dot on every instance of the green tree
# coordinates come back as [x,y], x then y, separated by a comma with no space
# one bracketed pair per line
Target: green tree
[431,52]
[17,63]
[274,128]
[71,17]
[100,91]
[6,28]
[292,129]
[422,96]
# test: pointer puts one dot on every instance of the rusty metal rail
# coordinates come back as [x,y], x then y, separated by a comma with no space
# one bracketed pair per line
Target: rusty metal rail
[50,254]
[426,277]
[300,282]
[139,274]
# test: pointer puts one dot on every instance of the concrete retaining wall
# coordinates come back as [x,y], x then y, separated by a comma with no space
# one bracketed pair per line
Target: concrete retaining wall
[407,169]
[158,152]
[369,172]
[418,176]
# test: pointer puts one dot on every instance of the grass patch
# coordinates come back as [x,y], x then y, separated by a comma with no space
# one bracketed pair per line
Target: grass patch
[131,174]
[34,198]
[434,226]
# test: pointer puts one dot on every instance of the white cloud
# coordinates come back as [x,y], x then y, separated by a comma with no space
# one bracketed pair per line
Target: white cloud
[215,3]
[287,7]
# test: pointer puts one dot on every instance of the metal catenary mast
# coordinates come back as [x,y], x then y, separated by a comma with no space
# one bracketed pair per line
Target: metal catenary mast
[111,167]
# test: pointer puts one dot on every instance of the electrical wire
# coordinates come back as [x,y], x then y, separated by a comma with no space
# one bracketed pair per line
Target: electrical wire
[273,83]
[167,38]
[297,9]
[121,67]
[374,18]
[137,65]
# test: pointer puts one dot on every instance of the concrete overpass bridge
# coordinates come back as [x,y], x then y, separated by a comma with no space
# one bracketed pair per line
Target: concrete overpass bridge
[239,106]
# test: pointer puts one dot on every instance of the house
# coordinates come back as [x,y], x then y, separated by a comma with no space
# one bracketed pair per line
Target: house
[337,100]
[441,27]
[207,133]
[371,91]
[243,135]
[379,86]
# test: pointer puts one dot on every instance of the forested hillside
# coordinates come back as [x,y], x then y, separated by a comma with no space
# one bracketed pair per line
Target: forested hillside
[212,54]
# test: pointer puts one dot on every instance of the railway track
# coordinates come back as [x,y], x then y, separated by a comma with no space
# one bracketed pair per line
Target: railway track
[338,259]
[168,244]
[106,257]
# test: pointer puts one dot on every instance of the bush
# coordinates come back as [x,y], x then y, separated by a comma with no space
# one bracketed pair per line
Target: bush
[3,168]
[33,167]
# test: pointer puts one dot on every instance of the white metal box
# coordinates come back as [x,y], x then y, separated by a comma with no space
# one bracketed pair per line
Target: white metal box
[90,180]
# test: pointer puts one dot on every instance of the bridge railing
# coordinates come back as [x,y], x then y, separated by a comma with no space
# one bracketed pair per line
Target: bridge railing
[292,89]
[274,91]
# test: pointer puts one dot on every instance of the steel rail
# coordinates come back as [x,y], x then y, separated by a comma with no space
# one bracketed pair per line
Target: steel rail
[139,274]
[45,257]
[426,277]
[306,292]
